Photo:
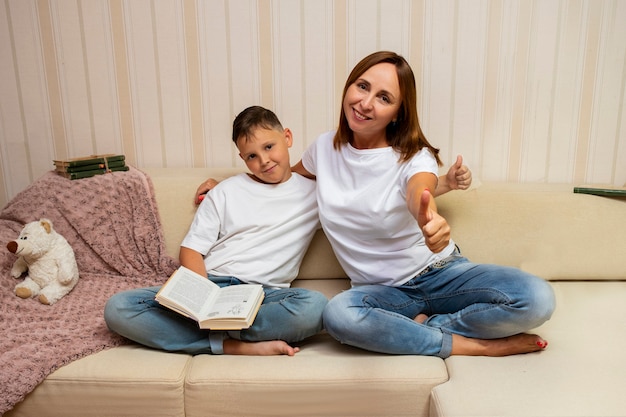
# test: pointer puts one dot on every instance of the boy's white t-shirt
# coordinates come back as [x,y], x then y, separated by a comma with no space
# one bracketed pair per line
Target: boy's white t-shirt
[363,210]
[255,232]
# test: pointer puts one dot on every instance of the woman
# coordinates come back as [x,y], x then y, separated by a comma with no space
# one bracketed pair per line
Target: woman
[412,291]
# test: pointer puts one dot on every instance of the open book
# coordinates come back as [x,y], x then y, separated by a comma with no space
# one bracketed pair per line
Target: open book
[229,308]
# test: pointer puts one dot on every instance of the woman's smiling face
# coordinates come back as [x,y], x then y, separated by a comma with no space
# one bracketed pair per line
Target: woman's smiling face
[373,101]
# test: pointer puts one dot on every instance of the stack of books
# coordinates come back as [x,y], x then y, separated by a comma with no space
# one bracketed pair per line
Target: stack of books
[88,166]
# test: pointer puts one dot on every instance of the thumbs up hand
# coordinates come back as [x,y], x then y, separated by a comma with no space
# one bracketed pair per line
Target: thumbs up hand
[435,228]
[425,213]
[459,176]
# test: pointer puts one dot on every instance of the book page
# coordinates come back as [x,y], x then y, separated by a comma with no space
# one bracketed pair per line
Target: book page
[190,291]
[234,301]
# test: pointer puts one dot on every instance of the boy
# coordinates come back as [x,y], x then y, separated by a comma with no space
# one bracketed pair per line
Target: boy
[251,228]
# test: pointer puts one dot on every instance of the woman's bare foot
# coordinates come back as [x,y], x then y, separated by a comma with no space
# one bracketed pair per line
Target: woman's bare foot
[266,348]
[513,345]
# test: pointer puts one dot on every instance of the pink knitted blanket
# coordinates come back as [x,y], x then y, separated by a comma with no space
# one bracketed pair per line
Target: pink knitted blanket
[111,222]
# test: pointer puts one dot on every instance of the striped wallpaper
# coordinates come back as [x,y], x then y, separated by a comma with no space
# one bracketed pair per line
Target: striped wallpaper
[525,90]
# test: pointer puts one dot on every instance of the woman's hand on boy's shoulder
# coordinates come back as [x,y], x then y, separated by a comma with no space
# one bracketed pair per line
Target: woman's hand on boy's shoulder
[204,188]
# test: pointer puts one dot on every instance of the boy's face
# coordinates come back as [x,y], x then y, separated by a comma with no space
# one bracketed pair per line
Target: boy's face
[266,154]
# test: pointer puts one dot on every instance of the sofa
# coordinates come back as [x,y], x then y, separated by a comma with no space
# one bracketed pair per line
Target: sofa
[576,241]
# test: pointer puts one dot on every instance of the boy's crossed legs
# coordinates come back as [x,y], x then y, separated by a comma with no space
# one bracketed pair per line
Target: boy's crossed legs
[286,316]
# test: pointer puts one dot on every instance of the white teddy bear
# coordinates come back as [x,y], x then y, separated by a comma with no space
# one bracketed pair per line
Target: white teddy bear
[48,259]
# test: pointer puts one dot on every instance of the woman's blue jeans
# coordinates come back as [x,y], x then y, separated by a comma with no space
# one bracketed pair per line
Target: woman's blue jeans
[289,314]
[473,300]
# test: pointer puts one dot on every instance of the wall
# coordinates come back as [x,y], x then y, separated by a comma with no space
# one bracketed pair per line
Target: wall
[527,91]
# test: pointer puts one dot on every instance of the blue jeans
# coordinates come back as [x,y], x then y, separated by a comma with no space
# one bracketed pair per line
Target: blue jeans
[473,300]
[289,314]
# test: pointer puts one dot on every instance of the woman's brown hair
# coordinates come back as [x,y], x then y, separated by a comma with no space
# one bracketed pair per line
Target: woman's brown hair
[404,135]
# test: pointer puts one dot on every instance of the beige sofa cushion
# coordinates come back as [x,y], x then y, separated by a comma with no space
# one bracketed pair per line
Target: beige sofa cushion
[325,378]
[125,381]
[581,373]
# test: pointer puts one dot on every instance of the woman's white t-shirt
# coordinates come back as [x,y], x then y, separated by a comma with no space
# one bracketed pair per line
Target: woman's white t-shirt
[255,232]
[361,197]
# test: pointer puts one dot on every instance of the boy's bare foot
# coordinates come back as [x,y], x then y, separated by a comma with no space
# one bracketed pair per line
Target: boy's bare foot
[266,348]
[420,318]
[513,345]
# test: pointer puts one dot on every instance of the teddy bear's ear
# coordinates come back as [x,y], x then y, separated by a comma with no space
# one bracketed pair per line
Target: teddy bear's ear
[46,224]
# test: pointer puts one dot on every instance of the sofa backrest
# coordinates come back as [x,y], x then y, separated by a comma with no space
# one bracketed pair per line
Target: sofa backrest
[543,229]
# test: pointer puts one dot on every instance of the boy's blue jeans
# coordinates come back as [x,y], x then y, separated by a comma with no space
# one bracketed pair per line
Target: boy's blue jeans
[289,314]
[472,300]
